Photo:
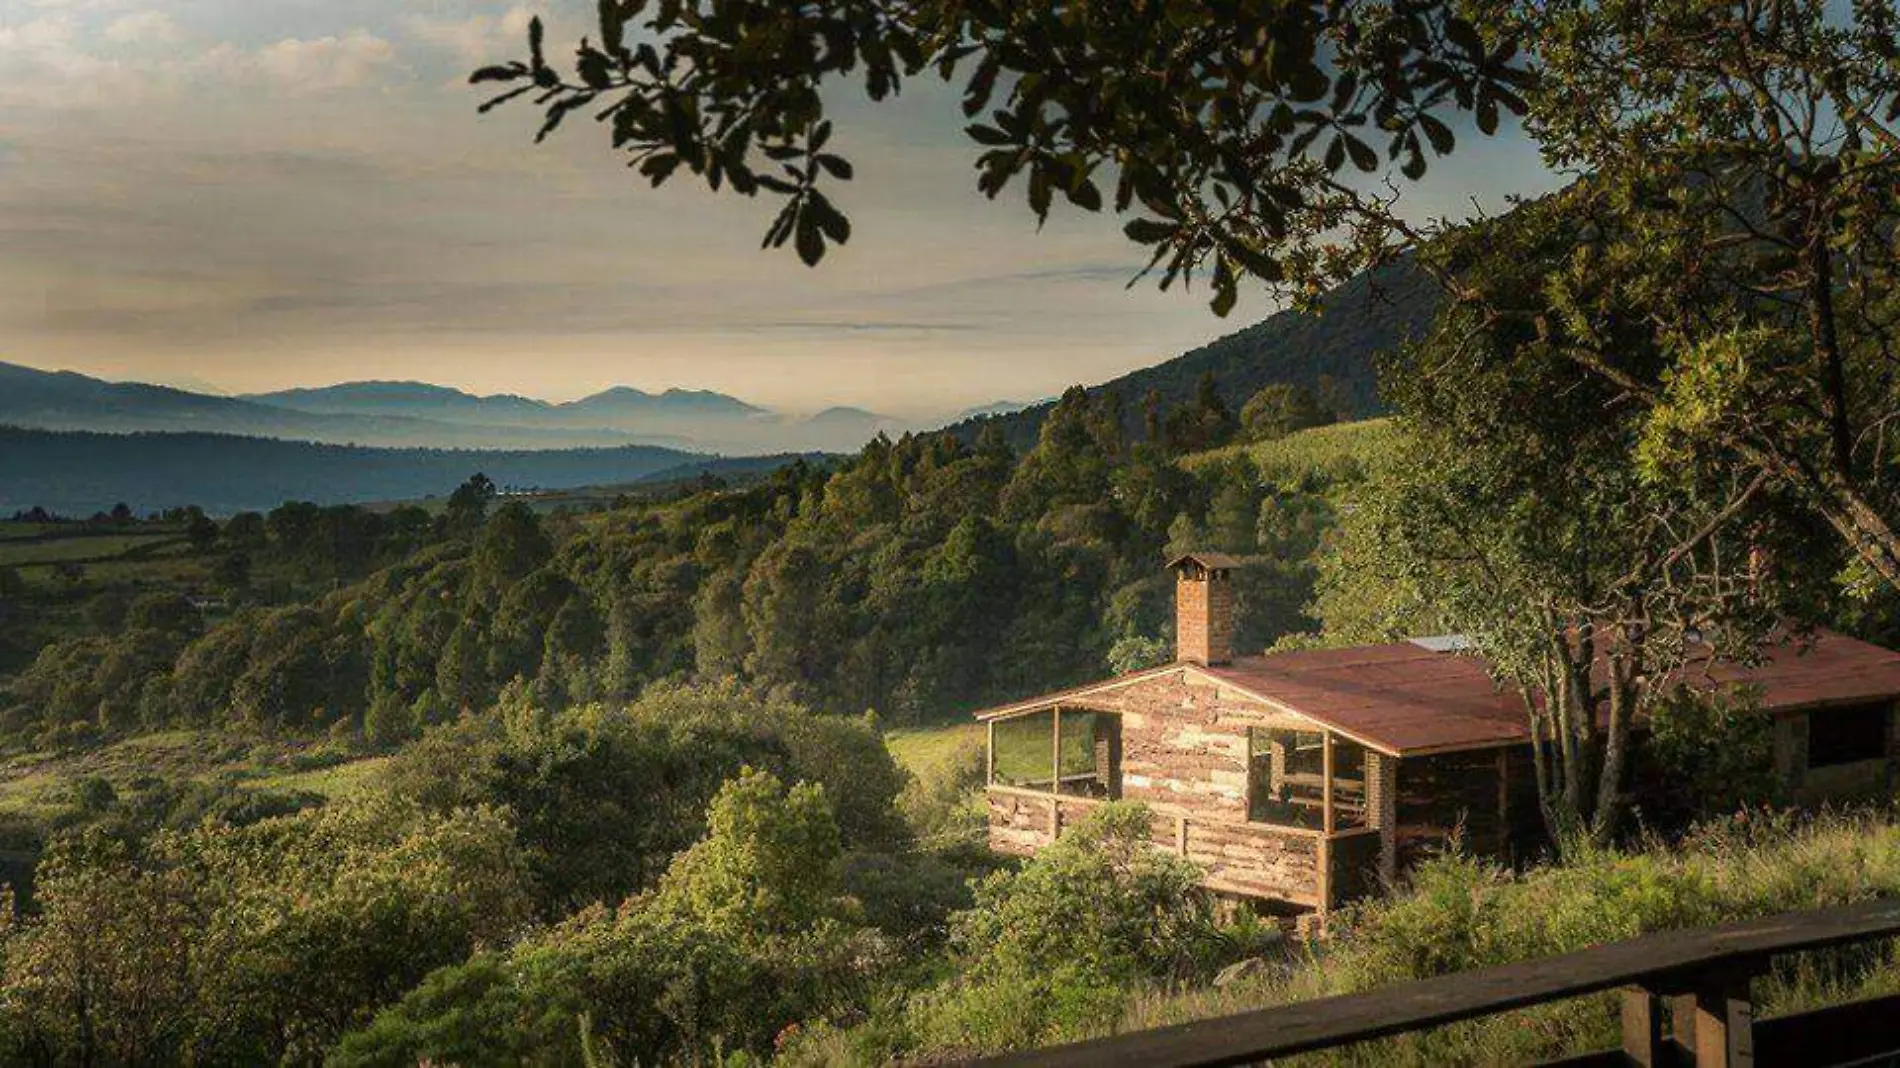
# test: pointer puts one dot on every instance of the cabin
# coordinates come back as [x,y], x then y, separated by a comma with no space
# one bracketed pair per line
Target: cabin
[1301,780]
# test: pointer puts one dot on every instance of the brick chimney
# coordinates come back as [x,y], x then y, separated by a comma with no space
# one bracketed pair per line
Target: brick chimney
[1203,608]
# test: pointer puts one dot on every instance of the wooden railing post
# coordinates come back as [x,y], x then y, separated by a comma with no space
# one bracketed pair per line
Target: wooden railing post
[1643,1040]
[1724,1022]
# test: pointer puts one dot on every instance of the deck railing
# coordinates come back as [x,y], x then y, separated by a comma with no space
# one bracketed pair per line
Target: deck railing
[1686,1001]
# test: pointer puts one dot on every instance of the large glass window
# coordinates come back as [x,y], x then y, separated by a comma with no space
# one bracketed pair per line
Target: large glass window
[1847,735]
[1088,764]
[1091,754]
[1022,751]
[1286,779]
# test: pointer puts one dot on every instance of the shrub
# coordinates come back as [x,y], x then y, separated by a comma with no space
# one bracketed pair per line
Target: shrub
[1055,948]
[746,934]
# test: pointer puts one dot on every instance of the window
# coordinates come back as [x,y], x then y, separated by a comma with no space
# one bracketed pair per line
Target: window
[1089,764]
[1286,779]
[1847,735]
[1091,755]
[1021,751]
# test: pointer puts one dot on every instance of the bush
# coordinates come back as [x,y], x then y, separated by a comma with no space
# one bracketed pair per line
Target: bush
[746,934]
[1055,949]
[250,945]
[1712,756]
[604,797]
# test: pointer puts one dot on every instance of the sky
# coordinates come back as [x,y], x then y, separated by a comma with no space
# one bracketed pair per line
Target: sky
[245,195]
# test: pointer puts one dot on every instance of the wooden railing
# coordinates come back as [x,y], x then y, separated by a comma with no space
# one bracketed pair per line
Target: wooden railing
[1685,1001]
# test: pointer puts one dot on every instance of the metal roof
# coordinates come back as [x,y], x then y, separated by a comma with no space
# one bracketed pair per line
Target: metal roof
[1408,699]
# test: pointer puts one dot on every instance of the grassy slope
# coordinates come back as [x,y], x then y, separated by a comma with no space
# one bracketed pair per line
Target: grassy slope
[920,749]
[1338,450]
[44,786]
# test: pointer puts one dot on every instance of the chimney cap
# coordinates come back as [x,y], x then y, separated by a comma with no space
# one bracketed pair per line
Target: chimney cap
[1204,561]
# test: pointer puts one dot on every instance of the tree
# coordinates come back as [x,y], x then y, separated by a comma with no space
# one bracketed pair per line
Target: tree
[1228,129]
[245,531]
[1530,528]
[1281,409]
[200,529]
[232,571]
[1745,184]
[468,505]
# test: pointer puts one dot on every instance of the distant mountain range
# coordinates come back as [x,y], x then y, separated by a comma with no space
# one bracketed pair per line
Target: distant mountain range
[1370,314]
[418,414]
[77,473]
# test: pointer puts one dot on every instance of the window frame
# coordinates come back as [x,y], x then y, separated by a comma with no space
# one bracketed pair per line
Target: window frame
[1112,788]
[1842,740]
[1329,822]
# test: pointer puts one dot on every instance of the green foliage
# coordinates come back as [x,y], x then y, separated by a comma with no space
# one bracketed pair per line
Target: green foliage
[1049,951]
[747,933]
[257,943]
[604,797]
[1713,756]
[1281,409]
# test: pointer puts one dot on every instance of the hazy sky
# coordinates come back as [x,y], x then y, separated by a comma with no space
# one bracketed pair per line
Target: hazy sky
[250,194]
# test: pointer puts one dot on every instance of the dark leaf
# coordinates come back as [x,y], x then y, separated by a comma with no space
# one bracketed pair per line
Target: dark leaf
[1149,231]
[507,73]
[491,104]
[1363,157]
[1226,288]
[810,243]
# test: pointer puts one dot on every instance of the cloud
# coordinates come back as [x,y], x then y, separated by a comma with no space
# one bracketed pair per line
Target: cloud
[325,63]
[476,39]
[143,28]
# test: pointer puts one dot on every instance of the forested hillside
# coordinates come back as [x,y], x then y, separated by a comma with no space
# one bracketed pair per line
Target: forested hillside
[1333,353]
[920,579]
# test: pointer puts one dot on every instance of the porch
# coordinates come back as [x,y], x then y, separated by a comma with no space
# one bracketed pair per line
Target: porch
[1283,810]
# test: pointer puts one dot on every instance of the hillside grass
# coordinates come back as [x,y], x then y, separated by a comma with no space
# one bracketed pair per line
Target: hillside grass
[1458,914]
[24,551]
[1339,451]
[921,750]
[44,787]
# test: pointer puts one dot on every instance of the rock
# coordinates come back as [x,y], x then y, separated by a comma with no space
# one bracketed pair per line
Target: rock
[1250,968]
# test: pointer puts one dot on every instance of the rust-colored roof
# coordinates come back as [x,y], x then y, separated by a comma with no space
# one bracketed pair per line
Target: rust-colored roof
[1401,697]
[1407,699]
[1832,669]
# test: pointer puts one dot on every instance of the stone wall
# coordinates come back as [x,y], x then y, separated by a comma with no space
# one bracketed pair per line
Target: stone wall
[1184,755]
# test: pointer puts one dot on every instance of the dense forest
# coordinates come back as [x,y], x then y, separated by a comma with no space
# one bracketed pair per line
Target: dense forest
[919,579]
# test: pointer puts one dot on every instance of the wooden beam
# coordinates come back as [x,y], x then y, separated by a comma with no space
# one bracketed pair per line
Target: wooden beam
[1326,788]
[989,755]
[1055,750]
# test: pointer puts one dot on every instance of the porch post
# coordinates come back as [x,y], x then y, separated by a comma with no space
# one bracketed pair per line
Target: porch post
[1326,788]
[1055,750]
[989,754]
